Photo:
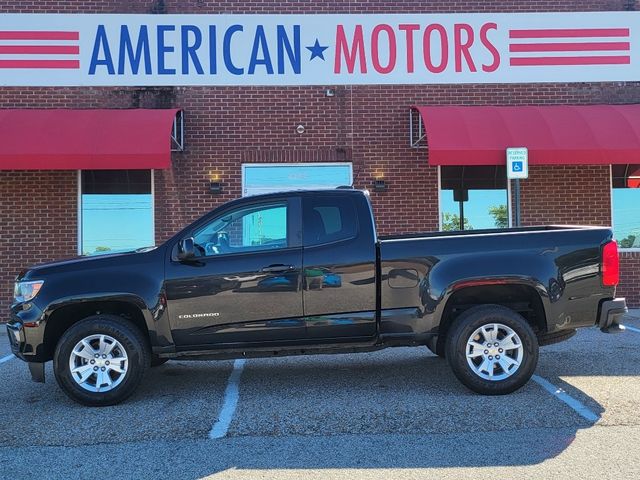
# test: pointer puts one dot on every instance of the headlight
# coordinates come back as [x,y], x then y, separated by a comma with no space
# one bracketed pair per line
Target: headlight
[26,291]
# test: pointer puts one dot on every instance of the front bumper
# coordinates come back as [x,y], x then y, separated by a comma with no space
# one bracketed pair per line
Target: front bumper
[611,311]
[26,332]
[21,349]
[15,332]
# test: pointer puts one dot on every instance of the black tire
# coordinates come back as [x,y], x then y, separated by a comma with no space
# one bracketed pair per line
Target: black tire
[462,329]
[128,335]
[156,361]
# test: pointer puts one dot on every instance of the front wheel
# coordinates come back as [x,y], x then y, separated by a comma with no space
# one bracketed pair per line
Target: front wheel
[101,360]
[492,350]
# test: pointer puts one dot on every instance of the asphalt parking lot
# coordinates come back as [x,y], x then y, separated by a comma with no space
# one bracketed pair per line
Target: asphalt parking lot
[397,413]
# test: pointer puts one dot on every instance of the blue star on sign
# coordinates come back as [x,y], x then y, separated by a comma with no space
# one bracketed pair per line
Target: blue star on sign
[317,50]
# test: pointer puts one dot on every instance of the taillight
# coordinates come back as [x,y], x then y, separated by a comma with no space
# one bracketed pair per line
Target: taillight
[610,264]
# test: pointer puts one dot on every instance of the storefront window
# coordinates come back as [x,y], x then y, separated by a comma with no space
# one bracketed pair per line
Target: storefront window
[116,211]
[473,197]
[266,178]
[625,200]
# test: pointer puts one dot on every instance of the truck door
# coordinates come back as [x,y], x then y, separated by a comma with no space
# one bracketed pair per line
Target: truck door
[339,274]
[245,284]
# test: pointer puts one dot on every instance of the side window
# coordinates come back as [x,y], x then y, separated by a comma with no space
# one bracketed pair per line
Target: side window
[328,219]
[248,229]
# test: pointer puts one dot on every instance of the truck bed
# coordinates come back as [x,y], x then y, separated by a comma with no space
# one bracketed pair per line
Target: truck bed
[557,264]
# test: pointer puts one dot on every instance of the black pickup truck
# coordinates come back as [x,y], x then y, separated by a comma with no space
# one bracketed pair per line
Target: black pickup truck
[302,273]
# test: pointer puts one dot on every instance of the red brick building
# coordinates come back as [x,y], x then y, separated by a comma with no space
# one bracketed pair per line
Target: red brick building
[364,126]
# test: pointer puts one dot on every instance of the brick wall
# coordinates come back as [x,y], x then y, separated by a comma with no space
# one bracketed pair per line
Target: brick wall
[566,195]
[366,125]
[38,218]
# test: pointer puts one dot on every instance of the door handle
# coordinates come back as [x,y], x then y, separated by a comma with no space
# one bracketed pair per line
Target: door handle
[277,268]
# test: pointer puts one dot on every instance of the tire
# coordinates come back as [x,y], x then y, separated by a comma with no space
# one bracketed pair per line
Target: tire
[120,370]
[156,361]
[491,378]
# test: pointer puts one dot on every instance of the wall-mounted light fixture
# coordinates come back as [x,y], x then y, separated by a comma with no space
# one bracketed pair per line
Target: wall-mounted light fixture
[215,185]
[300,129]
[379,185]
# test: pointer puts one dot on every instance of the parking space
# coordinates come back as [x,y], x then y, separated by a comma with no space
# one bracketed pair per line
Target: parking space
[180,400]
[365,413]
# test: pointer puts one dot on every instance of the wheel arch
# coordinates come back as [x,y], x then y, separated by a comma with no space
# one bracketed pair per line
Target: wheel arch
[62,317]
[520,297]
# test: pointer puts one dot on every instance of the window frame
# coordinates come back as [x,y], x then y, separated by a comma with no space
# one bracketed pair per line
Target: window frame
[294,226]
[620,249]
[259,206]
[509,201]
[79,209]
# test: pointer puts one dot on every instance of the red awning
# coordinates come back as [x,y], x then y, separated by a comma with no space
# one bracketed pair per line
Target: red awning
[554,135]
[56,139]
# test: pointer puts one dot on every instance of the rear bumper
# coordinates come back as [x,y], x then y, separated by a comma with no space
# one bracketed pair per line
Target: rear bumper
[611,311]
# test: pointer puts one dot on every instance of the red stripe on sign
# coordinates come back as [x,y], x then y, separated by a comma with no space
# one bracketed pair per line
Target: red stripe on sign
[38,35]
[568,47]
[46,49]
[594,60]
[39,64]
[569,32]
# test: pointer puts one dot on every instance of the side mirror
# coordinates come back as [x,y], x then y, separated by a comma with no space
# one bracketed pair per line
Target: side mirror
[186,249]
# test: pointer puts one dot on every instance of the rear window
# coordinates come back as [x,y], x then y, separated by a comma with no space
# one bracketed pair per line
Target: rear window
[329,219]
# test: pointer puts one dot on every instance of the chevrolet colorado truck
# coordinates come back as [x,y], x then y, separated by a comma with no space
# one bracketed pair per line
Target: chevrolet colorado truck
[304,272]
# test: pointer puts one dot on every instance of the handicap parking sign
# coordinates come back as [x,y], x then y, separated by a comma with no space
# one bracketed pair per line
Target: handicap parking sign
[517,162]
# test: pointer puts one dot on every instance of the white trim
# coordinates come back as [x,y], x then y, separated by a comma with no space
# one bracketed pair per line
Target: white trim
[510,207]
[620,249]
[294,164]
[439,211]
[153,205]
[611,193]
[79,222]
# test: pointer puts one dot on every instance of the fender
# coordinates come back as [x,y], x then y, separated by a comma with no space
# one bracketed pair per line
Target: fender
[155,317]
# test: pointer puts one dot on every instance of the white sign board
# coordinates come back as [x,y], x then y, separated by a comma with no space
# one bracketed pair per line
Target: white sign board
[517,163]
[237,50]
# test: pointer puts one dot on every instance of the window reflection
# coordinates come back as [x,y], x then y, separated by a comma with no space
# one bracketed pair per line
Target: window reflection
[473,197]
[258,179]
[252,228]
[116,211]
[625,199]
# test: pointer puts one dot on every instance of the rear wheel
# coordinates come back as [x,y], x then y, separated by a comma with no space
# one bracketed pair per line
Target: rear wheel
[101,360]
[492,350]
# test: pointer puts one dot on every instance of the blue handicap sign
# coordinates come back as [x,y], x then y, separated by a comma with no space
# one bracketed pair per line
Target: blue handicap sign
[517,166]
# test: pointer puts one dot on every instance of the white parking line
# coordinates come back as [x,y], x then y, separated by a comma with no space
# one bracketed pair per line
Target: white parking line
[563,396]
[231,394]
[7,358]
[631,329]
